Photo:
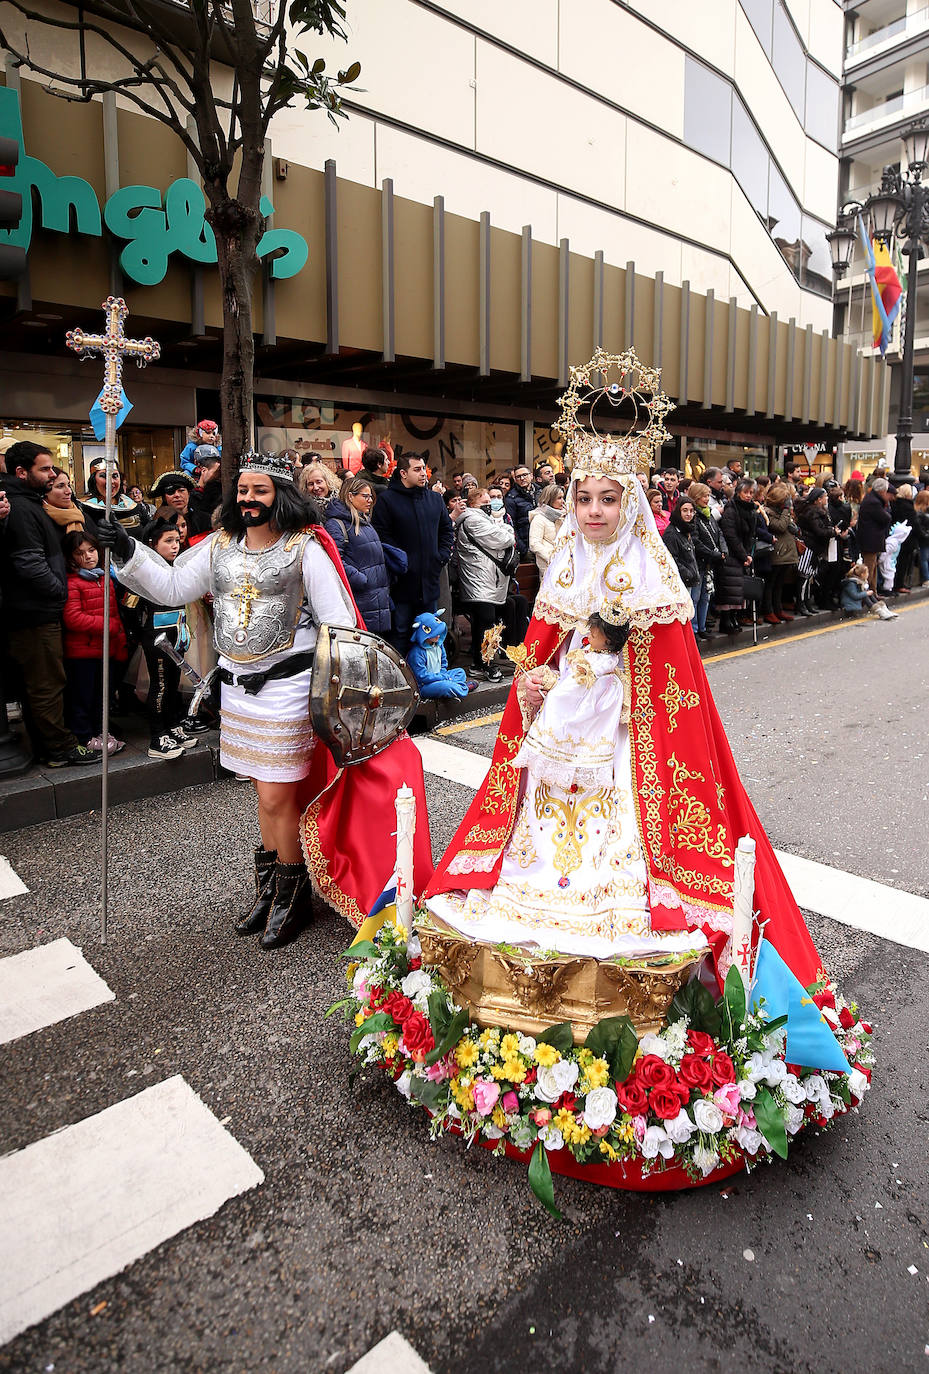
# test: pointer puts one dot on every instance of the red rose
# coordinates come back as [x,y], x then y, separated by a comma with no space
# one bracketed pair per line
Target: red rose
[696,1073]
[682,1091]
[632,1097]
[399,1007]
[664,1103]
[723,1069]
[824,999]
[866,1027]
[567,1100]
[376,998]
[417,1035]
[846,1020]
[700,1042]
[415,964]
[654,1072]
[531,1076]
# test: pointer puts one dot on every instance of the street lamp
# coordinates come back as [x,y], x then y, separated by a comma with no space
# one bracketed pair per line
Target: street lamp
[901,207]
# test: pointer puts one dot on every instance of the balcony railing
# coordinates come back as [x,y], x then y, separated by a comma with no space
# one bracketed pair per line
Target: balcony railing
[917,21]
[910,102]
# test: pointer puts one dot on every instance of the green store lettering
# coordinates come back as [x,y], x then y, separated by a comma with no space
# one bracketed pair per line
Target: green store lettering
[154,226]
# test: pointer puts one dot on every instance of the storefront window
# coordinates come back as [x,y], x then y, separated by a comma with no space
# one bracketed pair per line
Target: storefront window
[141,453]
[701,454]
[320,429]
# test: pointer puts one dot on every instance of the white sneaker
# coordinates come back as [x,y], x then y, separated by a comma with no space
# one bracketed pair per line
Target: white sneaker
[165,747]
[924,586]
[184,740]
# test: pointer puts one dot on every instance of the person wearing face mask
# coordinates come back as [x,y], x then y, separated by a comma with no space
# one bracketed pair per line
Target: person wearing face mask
[275,577]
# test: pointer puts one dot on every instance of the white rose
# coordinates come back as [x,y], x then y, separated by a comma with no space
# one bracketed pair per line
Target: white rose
[777,1072]
[747,1090]
[491,1132]
[555,1079]
[705,1158]
[858,1084]
[794,1119]
[680,1129]
[826,1107]
[747,1139]
[551,1138]
[416,982]
[656,1142]
[600,1108]
[654,1044]
[755,1068]
[360,981]
[527,1044]
[404,1084]
[815,1086]
[793,1089]
[707,1116]
[413,948]
[522,1135]
[452,1111]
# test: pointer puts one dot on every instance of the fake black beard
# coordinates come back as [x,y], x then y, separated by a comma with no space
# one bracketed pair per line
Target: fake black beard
[249,517]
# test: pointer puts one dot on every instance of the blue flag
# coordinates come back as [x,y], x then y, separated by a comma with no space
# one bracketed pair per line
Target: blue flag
[98,415]
[810,1041]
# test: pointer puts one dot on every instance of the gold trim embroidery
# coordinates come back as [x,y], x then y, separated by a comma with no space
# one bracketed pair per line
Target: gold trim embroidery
[675,697]
[689,819]
[570,815]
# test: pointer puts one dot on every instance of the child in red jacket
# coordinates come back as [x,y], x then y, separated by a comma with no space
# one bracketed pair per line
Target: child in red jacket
[83,641]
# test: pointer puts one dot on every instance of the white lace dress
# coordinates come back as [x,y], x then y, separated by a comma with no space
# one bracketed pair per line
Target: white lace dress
[573,875]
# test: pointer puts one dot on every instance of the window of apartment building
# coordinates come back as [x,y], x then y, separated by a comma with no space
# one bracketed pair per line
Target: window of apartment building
[760,15]
[749,158]
[707,111]
[789,61]
[784,219]
[822,106]
[817,258]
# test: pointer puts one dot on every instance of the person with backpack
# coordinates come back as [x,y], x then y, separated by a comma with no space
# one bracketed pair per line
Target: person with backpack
[485,552]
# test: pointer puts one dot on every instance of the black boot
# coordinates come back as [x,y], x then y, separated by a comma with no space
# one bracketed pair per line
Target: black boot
[292,908]
[256,918]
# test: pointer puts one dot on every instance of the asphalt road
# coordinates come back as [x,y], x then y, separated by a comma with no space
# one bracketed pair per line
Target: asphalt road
[362,1226]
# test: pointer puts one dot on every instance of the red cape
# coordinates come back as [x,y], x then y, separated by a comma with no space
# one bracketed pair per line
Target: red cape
[691,807]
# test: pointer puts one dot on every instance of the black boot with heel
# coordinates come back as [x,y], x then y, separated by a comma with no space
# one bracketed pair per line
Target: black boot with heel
[257,916]
[292,908]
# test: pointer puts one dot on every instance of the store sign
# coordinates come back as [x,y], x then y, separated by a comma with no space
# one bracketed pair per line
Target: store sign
[153,225]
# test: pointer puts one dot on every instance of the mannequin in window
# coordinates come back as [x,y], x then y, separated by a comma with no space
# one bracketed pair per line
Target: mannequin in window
[353,448]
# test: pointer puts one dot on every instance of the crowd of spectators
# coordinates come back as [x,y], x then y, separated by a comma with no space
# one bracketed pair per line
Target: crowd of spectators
[411,540]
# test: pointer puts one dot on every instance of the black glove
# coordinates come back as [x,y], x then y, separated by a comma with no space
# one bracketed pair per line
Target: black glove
[111,535]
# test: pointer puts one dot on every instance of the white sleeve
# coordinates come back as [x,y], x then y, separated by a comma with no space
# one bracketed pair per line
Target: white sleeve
[188,579]
[326,596]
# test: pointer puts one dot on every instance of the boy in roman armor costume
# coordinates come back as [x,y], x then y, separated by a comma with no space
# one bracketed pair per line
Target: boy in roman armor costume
[274,580]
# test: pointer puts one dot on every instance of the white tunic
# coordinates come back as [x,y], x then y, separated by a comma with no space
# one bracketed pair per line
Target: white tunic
[267,736]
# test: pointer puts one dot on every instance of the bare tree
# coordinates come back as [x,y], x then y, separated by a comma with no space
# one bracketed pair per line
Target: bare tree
[175,78]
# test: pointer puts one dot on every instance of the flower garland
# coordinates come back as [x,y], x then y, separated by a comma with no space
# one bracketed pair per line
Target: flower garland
[684,1097]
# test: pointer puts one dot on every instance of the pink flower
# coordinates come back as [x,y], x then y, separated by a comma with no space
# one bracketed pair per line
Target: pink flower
[727,1099]
[442,1069]
[510,1102]
[638,1126]
[541,1116]
[747,1119]
[486,1092]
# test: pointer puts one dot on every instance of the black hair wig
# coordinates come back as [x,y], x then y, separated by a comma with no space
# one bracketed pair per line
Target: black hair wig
[615,635]
[289,511]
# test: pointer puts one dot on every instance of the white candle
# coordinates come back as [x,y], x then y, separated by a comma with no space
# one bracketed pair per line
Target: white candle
[406,826]
[743,897]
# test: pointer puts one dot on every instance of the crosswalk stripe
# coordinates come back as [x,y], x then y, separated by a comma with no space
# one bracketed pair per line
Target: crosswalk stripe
[80,1205]
[392,1355]
[44,985]
[844,897]
[11,884]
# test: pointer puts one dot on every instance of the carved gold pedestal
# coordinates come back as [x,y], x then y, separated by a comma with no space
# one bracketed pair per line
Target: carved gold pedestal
[511,988]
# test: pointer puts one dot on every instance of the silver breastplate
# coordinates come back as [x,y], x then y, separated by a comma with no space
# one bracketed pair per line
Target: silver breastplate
[257,596]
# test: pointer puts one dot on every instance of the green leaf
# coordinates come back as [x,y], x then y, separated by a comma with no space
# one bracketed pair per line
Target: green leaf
[336,1006]
[560,1036]
[540,1179]
[319,66]
[604,1036]
[425,1092]
[734,1002]
[842,1088]
[623,1057]
[452,1035]
[771,1121]
[776,1024]
[365,949]
[696,1003]
[439,1014]
[351,74]
[380,1021]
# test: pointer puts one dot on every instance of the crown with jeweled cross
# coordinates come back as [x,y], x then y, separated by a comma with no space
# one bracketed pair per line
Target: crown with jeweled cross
[271,464]
[626,386]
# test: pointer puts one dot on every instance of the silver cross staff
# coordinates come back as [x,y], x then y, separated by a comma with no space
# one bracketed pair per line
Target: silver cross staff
[113,347]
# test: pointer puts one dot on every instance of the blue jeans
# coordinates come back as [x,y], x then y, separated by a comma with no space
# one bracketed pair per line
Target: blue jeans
[700,596]
[924,562]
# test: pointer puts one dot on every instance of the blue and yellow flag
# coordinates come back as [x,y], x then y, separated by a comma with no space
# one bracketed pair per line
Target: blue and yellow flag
[384,909]
[810,1040]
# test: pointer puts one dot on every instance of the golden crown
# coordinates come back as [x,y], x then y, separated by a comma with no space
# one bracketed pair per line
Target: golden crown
[610,455]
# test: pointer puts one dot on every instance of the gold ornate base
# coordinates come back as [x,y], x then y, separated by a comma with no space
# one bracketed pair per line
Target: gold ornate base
[506,986]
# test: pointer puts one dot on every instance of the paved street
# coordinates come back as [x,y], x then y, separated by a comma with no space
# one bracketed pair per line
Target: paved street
[335,1220]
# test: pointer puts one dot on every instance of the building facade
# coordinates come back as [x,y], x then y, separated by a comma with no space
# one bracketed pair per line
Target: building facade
[515,185]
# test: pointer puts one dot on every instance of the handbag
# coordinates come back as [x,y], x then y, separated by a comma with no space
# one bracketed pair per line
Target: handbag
[752,587]
[507,564]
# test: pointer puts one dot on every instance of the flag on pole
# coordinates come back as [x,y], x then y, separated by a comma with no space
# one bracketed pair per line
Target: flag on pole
[810,1041]
[98,415]
[384,909]
[886,290]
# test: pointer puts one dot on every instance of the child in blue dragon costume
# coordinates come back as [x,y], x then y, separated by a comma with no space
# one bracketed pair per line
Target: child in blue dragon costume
[428,660]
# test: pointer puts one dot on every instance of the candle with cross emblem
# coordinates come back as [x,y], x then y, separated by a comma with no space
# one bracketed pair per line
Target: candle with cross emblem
[113,346]
[743,893]
[406,826]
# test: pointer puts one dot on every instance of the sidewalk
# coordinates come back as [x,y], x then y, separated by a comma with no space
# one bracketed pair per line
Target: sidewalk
[49,794]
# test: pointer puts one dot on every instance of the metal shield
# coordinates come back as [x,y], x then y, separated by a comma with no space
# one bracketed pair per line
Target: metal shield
[362,693]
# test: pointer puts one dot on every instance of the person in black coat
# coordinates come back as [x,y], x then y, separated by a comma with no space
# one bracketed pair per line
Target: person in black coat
[520,502]
[817,530]
[738,525]
[902,509]
[362,553]
[412,518]
[679,538]
[35,589]
[874,520]
[208,494]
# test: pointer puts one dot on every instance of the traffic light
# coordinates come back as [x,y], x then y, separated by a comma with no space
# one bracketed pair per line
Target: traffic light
[12,258]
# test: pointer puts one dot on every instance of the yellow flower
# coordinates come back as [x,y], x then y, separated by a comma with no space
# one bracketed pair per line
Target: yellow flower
[625,1130]
[499,1118]
[489,1038]
[466,1054]
[513,1070]
[569,1126]
[401,931]
[463,1094]
[509,1046]
[350,972]
[389,1045]
[585,1057]
[546,1055]
[360,1017]
[597,1074]
[607,1149]
[499,1071]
